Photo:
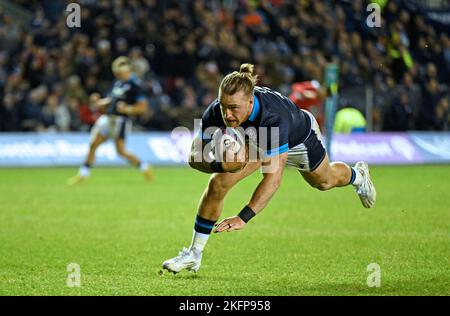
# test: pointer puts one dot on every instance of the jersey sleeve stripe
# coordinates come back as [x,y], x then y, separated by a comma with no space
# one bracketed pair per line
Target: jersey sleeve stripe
[279,150]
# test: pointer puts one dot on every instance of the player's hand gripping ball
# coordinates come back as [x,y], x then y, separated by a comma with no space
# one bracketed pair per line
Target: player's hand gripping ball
[227,138]
[228,144]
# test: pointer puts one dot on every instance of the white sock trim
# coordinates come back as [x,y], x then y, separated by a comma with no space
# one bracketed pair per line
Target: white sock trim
[199,241]
[143,166]
[359,179]
[84,171]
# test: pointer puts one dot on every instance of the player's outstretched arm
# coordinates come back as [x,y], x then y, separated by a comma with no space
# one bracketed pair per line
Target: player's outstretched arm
[97,102]
[270,183]
[261,197]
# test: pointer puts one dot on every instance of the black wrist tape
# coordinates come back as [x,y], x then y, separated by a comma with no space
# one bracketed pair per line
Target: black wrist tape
[216,166]
[246,214]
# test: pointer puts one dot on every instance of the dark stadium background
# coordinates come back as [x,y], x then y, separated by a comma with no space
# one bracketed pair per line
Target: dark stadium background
[182,49]
[119,229]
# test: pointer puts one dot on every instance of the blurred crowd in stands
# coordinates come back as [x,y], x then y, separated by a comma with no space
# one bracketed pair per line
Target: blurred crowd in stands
[181,50]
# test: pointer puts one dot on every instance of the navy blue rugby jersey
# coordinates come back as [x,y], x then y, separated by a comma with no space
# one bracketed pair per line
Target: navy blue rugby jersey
[270,109]
[128,91]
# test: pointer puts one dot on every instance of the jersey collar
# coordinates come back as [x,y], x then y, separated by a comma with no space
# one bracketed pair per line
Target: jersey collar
[255,109]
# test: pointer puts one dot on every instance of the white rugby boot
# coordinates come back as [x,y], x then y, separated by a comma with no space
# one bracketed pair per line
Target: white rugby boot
[187,259]
[366,191]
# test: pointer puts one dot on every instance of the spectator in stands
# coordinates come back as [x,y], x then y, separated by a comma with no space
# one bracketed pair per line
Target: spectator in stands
[34,119]
[349,120]
[9,114]
[427,119]
[199,41]
[399,114]
[443,114]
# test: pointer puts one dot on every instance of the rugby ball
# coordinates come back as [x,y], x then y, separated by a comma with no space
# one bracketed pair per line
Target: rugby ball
[227,138]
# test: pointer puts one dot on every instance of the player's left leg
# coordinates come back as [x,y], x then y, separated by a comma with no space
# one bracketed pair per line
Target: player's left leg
[122,152]
[132,159]
[337,174]
[311,159]
[121,129]
[328,175]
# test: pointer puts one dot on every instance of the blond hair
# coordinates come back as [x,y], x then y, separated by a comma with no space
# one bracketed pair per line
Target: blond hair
[121,63]
[242,80]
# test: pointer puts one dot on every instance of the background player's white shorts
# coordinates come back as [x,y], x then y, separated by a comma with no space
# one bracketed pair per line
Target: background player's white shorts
[111,126]
[308,155]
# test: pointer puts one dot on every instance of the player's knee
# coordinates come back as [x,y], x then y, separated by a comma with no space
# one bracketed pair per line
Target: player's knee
[217,188]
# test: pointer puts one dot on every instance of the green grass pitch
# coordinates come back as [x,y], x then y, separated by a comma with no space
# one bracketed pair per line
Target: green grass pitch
[119,229]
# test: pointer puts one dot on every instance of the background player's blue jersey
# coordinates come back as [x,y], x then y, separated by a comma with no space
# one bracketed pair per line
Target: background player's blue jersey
[128,91]
[270,109]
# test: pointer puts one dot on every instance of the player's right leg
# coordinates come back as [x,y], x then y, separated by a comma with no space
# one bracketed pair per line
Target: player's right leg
[210,208]
[311,159]
[337,174]
[99,135]
[85,169]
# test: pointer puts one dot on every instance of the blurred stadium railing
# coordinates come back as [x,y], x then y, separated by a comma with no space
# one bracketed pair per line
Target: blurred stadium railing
[163,148]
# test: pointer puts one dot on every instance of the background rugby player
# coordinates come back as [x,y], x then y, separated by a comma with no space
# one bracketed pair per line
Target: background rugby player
[125,99]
